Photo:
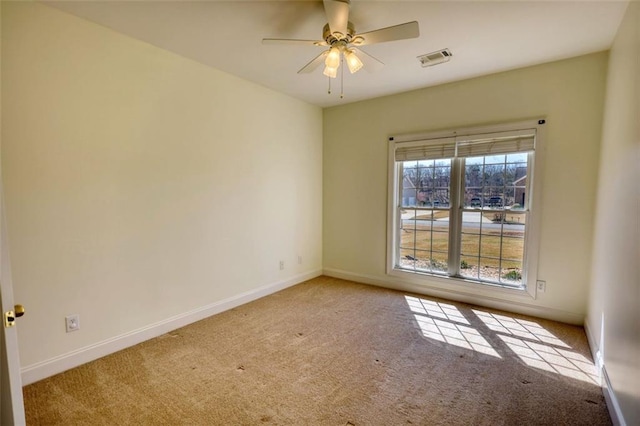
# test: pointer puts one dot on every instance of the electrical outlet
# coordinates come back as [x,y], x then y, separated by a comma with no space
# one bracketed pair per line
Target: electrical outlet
[542,286]
[299,260]
[72,322]
[282,265]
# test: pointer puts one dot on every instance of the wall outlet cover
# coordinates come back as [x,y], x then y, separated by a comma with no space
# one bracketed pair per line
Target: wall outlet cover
[72,323]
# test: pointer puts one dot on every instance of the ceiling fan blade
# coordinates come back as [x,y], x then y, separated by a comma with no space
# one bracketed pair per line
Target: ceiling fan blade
[337,16]
[294,41]
[369,63]
[397,32]
[314,64]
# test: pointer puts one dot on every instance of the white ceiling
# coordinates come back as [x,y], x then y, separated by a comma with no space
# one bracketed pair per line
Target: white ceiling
[484,36]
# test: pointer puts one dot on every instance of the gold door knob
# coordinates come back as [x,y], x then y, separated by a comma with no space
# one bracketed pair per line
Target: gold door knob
[19,310]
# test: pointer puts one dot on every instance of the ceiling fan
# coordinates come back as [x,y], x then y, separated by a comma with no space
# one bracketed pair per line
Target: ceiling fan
[342,40]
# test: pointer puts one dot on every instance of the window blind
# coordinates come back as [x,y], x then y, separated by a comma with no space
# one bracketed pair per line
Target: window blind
[426,149]
[495,143]
[466,146]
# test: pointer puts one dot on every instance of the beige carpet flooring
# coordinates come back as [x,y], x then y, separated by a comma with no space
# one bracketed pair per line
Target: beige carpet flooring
[333,352]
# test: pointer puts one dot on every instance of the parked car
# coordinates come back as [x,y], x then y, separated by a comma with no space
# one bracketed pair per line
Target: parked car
[495,202]
[476,202]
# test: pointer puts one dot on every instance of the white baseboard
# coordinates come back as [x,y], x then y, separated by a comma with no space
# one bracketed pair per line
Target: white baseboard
[593,347]
[505,304]
[612,402]
[610,397]
[41,370]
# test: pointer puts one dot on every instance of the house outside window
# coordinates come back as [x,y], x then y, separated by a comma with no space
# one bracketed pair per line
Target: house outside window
[464,206]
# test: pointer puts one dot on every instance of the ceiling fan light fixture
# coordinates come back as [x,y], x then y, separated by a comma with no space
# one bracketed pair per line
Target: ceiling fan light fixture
[330,72]
[342,42]
[333,58]
[353,62]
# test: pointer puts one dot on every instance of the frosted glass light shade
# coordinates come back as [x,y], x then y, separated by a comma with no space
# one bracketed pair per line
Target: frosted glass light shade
[330,72]
[333,58]
[353,62]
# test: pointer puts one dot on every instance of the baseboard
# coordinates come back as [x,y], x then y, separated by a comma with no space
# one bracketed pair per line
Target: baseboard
[593,347]
[41,370]
[610,397]
[612,402]
[396,283]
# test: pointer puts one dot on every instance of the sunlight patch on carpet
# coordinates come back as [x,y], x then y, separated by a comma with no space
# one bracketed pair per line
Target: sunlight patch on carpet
[555,360]
[539,348]
[445,323]
[533,344]
[433,309]
[518,327]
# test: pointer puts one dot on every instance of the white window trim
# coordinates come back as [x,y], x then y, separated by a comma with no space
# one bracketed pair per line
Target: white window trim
[532,241]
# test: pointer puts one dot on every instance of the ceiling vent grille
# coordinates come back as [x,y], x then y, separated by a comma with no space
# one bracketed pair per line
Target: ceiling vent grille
[435,58]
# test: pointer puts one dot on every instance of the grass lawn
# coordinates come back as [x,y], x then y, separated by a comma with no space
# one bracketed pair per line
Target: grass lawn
[423,239]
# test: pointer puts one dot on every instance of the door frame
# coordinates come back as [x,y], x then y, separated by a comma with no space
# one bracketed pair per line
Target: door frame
[12,405]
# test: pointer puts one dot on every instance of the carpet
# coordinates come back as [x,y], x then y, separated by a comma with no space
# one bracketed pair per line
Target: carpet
[334,352]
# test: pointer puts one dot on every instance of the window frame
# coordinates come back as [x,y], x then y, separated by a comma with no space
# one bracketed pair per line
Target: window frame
[532,233]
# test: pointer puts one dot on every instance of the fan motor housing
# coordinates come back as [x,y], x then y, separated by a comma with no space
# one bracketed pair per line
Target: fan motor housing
[331,39]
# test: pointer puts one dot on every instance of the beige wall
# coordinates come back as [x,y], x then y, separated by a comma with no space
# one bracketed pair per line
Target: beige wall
[569,93]
[614,308]
[141,185]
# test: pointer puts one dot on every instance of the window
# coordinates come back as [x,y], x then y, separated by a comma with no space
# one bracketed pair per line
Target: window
[462,204]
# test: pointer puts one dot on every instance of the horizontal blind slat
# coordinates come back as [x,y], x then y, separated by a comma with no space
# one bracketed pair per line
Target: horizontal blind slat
[466,145]
[426,150]
[495,146]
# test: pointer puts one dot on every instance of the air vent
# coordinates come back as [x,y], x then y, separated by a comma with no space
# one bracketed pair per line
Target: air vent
[435,58]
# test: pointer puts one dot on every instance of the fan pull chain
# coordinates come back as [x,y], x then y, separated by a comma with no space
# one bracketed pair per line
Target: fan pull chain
[329,91]
[341,76]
